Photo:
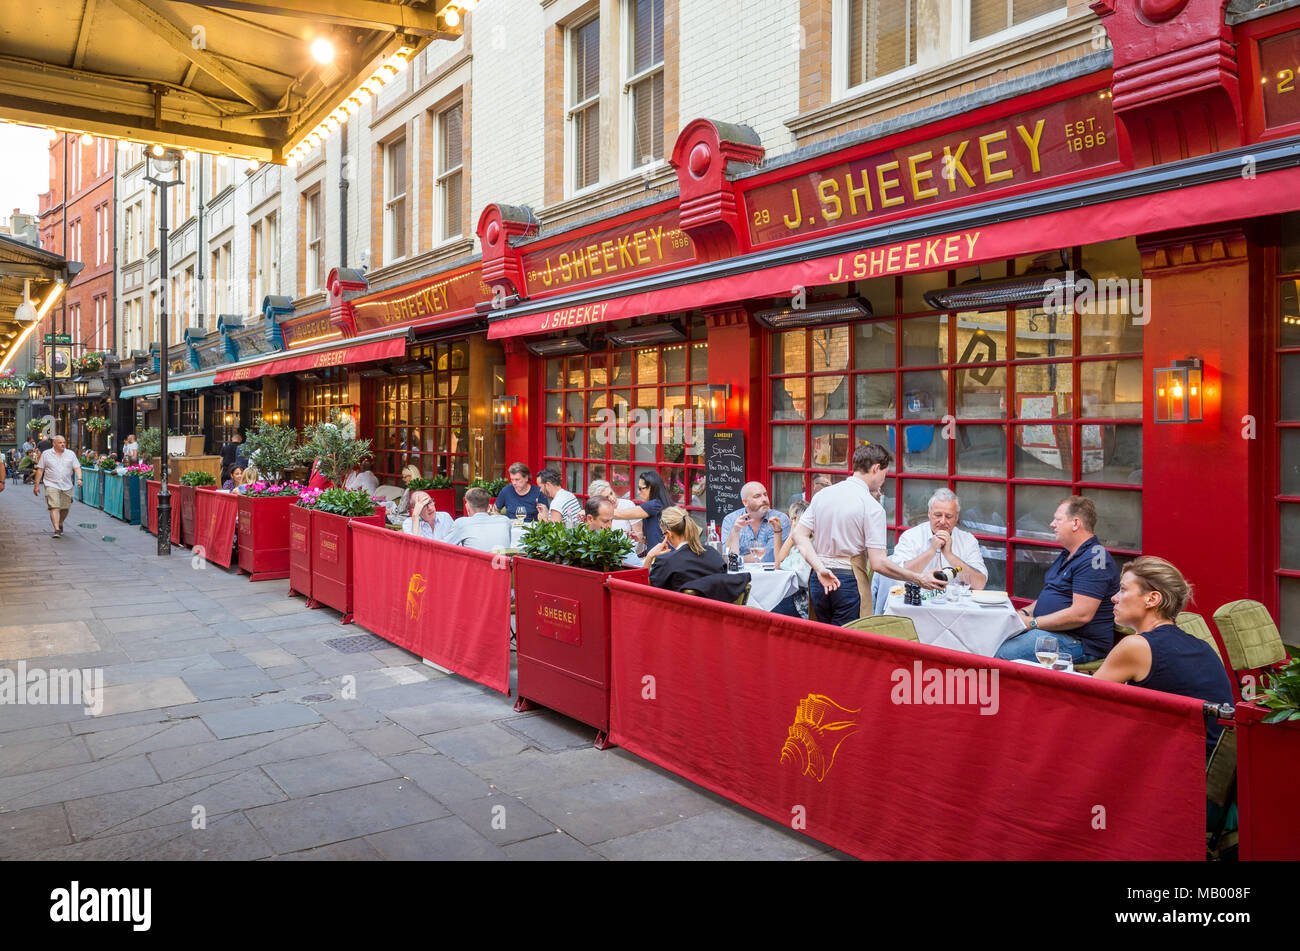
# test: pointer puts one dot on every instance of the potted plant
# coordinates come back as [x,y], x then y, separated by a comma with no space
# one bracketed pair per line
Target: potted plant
[492,487]
[90,491]
[263,535]
[272,449]
[562,618]
[1268,749]
[440,490]
[111,487]
[132,488]
[334,448]
[188,483]
[34,426]
[330,542]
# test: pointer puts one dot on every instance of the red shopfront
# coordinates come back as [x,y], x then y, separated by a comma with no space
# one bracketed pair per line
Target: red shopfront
[410,364]
[805,292]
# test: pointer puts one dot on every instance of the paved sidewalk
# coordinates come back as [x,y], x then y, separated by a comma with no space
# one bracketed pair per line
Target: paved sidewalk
[223,702]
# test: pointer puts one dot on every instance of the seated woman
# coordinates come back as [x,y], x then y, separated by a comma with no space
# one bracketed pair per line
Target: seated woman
[1159,655]
[681,560]
[250,476]
[234,476]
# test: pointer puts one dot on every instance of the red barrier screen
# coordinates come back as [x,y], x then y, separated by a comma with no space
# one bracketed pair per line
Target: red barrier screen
[215,515]
[888,749]
[447,604]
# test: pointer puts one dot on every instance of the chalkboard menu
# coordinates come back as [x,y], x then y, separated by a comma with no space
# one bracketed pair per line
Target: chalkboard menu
[724,462]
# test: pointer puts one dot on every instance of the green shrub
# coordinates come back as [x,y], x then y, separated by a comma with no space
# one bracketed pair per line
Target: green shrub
[349,502]
[198,478]
[492,487]
[579,547]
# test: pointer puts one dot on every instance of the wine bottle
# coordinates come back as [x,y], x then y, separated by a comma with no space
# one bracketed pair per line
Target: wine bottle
[946,574]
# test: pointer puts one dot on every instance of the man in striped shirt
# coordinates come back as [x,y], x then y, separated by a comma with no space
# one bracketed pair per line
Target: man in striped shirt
[564,504]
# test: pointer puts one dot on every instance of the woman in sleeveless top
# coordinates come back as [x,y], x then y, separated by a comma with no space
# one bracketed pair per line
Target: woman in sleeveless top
[1159,655]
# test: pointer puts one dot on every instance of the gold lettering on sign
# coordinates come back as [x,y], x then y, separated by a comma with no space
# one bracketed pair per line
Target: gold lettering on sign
[921,254]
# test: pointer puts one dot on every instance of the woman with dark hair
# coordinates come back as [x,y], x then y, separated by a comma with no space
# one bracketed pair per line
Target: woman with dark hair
[653,499]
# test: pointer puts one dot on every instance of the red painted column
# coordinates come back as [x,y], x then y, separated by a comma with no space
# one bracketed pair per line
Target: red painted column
[1202,486]
[734,358]
[524,379]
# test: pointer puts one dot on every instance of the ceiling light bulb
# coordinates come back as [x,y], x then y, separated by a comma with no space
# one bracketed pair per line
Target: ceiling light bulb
[452,16]
[313,140]
[157,151]
[190,155]
[388,72]
[398,62]
[87,139]
[253,165]
[322,50]
[223,161]
[123,144]
[331,123]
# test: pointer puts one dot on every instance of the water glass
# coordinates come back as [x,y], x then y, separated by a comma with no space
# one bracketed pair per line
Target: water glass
[1063,661]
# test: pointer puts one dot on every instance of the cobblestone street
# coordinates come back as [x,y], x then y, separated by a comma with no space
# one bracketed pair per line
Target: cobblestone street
[224,694]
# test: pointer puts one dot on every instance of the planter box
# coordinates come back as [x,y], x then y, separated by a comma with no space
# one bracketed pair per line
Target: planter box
[444,500]
[154,488]
[113,488]
[562,632]
[331,559]
[131,506]
[300,548]
[145,502]
[90,488]
[1268,773]
[186,506]
[264,536]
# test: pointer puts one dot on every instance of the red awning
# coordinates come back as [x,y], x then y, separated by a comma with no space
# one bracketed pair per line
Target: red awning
[336,357]
[1232,199]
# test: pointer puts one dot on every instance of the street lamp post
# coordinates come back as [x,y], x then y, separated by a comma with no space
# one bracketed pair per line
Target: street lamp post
[163,170]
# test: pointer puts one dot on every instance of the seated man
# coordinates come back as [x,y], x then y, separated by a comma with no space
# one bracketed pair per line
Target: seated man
[1075,603]
[362,477]
[479,529]
[938,543]
[1159,655]
[563,505]
[681,560]
[755,524]
[520,499]
[425,520]
[598,513]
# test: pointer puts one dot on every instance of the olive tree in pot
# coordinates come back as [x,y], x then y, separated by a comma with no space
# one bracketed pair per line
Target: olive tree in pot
[273,449]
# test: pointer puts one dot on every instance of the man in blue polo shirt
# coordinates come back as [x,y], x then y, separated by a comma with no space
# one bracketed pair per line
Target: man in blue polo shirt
[1075,602]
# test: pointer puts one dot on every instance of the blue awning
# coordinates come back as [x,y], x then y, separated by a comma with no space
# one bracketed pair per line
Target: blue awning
[173,384]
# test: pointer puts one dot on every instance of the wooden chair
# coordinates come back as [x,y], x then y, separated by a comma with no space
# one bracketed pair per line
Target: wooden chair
[887,624]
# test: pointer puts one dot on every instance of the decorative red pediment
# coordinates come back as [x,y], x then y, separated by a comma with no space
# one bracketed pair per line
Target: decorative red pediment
[1175,88]
[503,264]
[344,284]
[706,156]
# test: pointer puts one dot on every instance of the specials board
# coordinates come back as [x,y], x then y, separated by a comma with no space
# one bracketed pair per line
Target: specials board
[724,471]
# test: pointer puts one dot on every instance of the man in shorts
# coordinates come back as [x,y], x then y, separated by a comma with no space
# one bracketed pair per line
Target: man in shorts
[57,467]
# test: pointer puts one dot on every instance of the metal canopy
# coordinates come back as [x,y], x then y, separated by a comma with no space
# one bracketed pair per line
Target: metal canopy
[229,76]
[21,263]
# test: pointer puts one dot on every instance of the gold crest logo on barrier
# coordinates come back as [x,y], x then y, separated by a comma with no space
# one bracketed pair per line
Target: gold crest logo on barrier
[415,596]
[820,726]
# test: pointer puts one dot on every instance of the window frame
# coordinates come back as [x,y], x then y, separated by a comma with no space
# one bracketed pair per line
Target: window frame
[630,82]
[841,54]
[572,110]
[391,200]
[963,45]
[314,244]
[443,176]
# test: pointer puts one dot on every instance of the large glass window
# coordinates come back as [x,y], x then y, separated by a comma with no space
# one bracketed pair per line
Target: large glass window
[322,396]
[422,419]
[1014,410]
[223,429]
[1287,373]
[451,158]
[617,414]
[881,38]
[988,17]
[645,81]
[395,223]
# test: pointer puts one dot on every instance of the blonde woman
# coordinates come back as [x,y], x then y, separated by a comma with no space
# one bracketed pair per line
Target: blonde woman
[250,476]
[681,560]
[398,510]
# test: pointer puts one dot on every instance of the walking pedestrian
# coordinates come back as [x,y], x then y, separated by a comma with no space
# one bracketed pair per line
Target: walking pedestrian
[57,467]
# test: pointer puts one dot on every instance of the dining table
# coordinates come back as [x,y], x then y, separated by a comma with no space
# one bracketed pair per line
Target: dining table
[768,585]
[965,625]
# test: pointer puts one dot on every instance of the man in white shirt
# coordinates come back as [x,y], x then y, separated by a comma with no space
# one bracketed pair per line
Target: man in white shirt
[425,520]
[478,529]
[938,543]
[57,467]
[362,478]
[843,521]
[564,505]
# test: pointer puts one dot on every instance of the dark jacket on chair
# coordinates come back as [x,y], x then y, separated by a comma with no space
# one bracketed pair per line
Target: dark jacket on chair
[705,573]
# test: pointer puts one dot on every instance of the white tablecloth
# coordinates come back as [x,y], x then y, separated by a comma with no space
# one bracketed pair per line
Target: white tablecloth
[965,627]
[767,589]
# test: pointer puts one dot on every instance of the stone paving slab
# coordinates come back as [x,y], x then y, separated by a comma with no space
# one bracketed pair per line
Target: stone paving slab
[223,694]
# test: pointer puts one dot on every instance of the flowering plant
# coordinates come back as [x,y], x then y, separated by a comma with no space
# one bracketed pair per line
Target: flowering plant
[348,502]
[36,425]
[11,382]
[88,363]
[97,424]
[139,469]
[272,490]
[307,498]
[107,463]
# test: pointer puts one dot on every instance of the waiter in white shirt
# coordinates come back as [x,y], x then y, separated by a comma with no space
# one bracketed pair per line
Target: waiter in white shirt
[938,543]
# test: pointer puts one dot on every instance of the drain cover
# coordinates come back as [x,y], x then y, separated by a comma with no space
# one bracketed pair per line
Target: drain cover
[317,697]
[85,524]
[109,538]
[357,643]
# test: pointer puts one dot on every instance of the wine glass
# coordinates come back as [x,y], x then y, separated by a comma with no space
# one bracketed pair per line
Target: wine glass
[756,552]
[1063,661]
[1047,650]
[521,513]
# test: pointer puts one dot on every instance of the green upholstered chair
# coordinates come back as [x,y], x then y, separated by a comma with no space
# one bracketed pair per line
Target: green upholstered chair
[887,624]
[1195,625]
[1221,791]
[1249,634]
[1092,666]
[741,599]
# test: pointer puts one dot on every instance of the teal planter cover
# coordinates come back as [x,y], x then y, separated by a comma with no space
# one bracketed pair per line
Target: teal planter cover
[90,492]
[113,492]
[131,499]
